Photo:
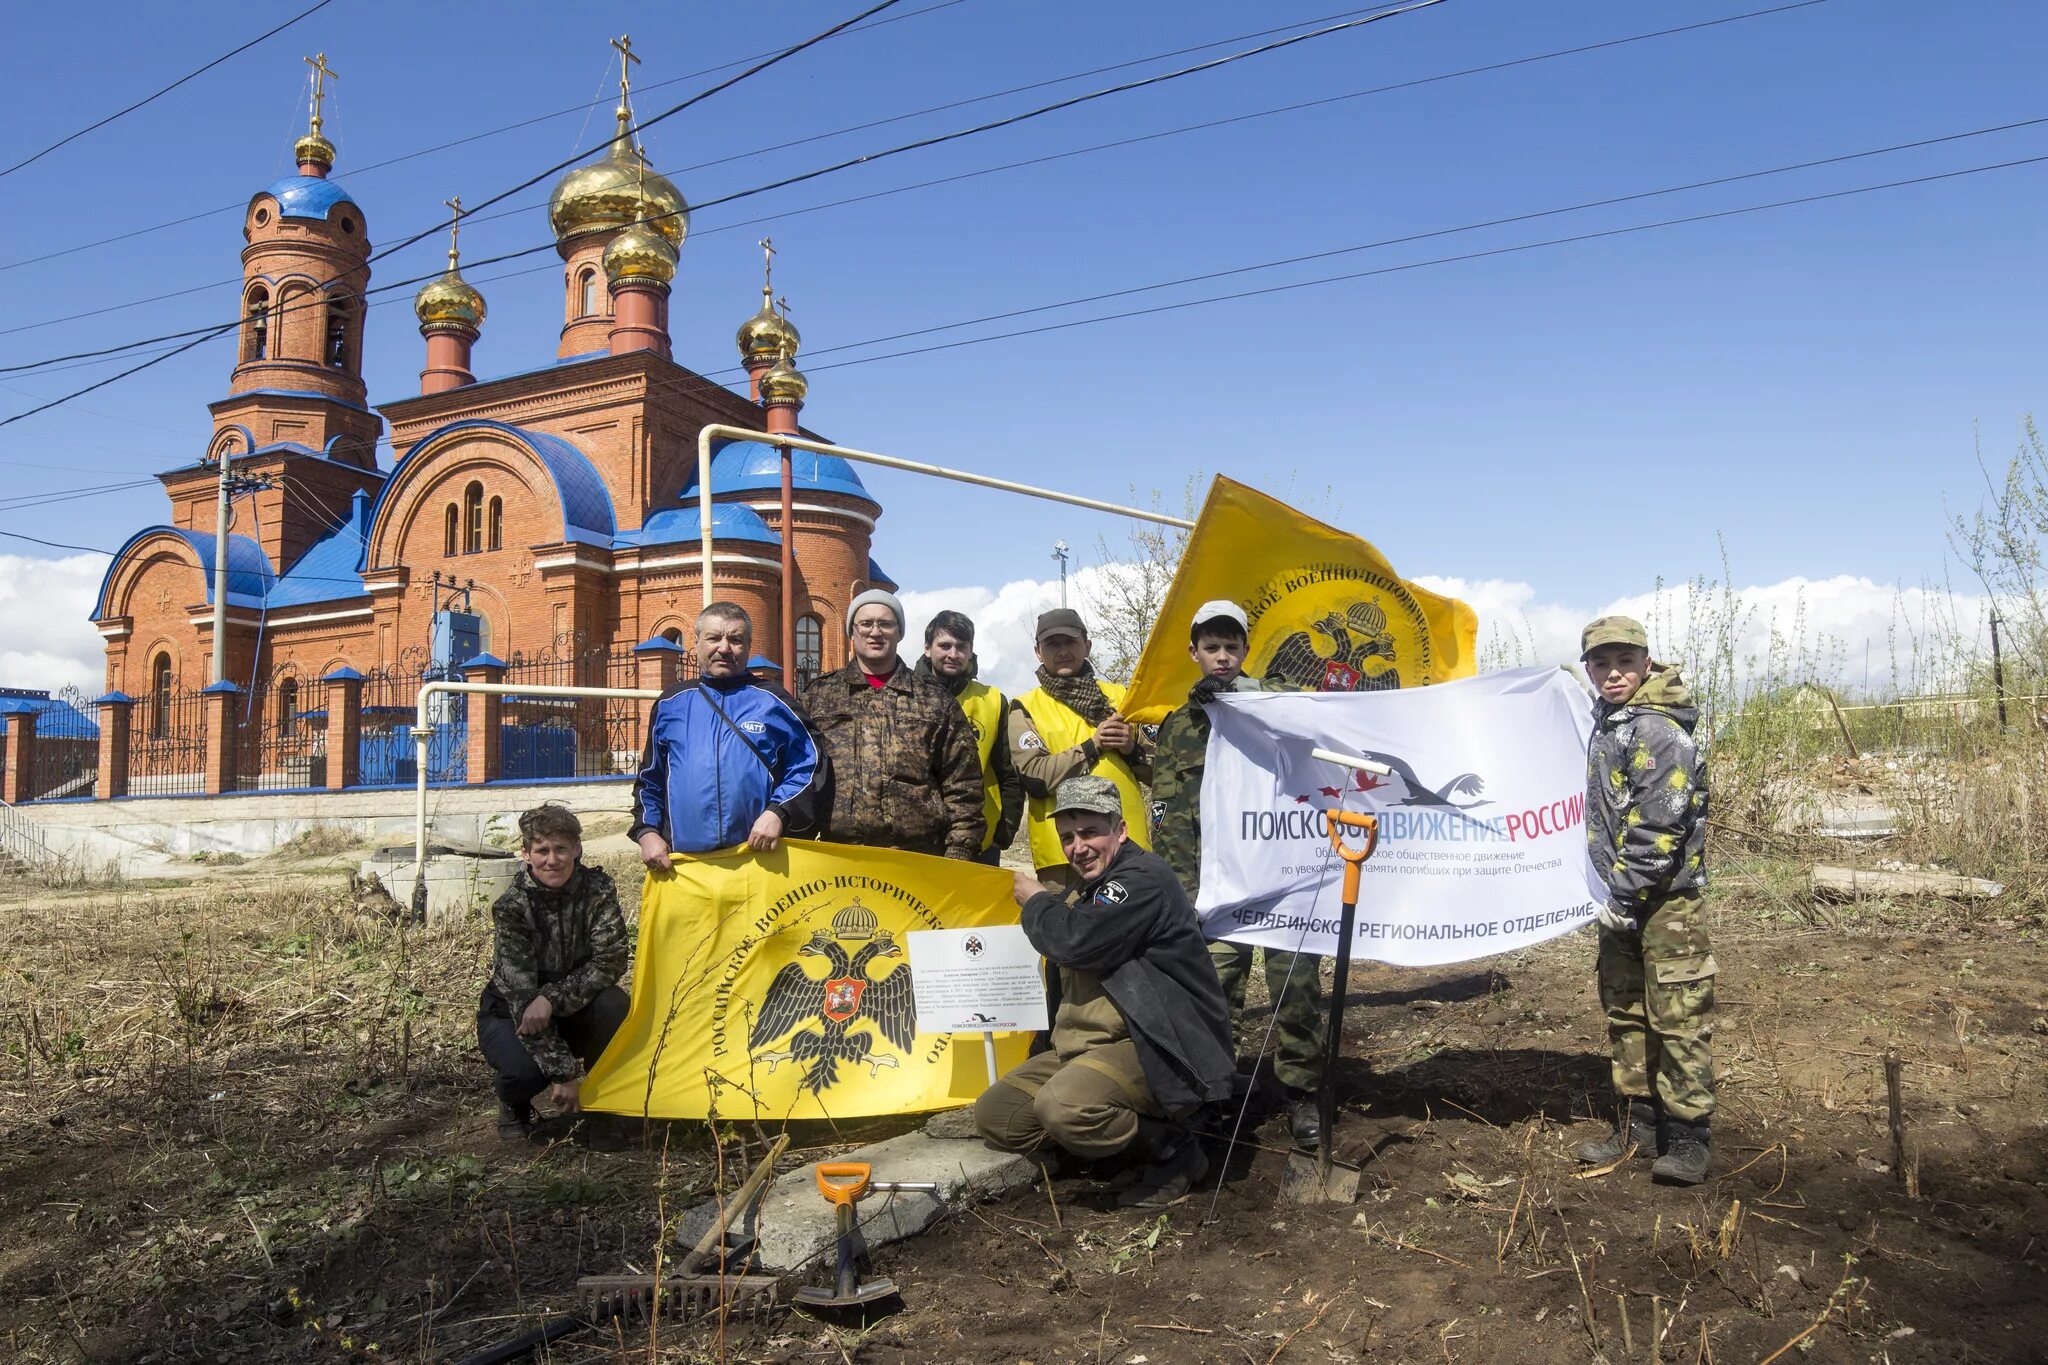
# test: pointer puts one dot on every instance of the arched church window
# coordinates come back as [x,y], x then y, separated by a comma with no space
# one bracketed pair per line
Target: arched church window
[473,518]
[810,649]
[337,333]
[256,344]
[160,698]
[586,295]
[674,635]
[497,524]
[449,530]
[288,708]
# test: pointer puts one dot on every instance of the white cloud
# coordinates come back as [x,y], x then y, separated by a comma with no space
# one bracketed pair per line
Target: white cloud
[46,640]
[1845,631]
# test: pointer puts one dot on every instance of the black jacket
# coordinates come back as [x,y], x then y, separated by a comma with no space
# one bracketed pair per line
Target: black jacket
[1133,928]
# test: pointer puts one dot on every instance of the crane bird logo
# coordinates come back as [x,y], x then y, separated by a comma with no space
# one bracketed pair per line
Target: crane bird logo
[1404,788]
[816,1020]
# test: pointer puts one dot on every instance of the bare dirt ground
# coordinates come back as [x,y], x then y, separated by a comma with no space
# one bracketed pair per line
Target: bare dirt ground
[243,1119]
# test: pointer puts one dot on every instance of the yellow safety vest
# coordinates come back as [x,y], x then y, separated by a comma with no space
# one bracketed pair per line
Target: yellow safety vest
[984,708]
[1061,727]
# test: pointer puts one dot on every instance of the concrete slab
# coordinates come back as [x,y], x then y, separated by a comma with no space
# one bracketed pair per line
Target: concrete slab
[458,885]
[795,1225]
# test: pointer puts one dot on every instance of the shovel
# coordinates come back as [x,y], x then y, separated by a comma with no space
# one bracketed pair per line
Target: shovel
[844,1182]
[1316,1178]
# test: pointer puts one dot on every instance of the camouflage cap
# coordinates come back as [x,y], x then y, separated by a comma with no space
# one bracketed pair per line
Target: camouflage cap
[1094,794]
[1613,630]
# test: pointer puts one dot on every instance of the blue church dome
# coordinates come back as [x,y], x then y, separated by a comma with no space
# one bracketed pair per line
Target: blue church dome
[743,466]
[307,196]
[679,526]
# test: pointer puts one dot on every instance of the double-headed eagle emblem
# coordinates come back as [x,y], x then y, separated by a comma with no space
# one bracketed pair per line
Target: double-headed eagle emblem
[1360,657]
[844,996]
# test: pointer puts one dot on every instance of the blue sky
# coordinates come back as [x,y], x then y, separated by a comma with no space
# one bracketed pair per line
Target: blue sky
[1802,386]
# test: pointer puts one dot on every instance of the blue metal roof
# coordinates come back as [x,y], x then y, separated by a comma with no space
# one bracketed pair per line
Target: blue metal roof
[743,466]
[327,571]
[75,724]
[249,573]
[681,526]
[307,196]
[877,574]
[586,503]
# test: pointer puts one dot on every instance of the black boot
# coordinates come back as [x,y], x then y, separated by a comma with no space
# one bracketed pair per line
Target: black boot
[1687,1148]
[1638,1130]
[1178,1164]
[515,1124]
[1304,1117]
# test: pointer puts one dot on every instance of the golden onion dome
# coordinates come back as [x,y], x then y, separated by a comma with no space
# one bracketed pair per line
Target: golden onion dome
[784,383]
[315,149]
[616,190]
[450,301]
[767,335]
[639,253]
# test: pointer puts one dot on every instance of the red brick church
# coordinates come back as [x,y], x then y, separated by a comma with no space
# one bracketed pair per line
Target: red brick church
[557,503]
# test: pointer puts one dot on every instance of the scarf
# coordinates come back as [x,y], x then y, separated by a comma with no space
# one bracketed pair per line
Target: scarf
[957,685]
[1078,694]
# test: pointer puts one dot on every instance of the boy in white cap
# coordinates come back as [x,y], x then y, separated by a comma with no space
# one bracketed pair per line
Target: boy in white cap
[1218,640]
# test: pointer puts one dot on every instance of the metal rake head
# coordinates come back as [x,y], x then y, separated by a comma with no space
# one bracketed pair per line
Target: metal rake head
[682,1298]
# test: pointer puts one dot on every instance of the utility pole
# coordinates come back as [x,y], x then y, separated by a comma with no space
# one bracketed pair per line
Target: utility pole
[1997,668]
[220,573]
[1059,552]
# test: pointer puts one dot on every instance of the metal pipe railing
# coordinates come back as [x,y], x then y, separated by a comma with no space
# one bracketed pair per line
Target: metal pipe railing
[718,430]
[423,732]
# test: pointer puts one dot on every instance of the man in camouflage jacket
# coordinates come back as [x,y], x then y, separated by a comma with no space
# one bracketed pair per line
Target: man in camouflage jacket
[1646,829]
[553,1001]
[1218,641]
[903,755]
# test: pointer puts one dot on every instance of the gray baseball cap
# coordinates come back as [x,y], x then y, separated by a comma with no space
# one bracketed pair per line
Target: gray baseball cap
[1061,621]
[1094,794]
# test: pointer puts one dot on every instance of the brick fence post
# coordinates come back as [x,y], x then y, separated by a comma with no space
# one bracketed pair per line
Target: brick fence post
[657,663]
[486,712]
[21,757]
[344,728]
[223,709]
[117,711]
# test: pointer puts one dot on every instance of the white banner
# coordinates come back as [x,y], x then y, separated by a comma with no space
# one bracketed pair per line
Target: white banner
[1482,826]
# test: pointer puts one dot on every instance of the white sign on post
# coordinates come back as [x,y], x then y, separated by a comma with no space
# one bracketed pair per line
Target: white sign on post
[976,980]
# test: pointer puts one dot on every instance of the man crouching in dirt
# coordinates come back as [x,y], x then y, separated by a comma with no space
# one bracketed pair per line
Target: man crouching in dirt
[1141,1036]
[553,1000]
[1646,827]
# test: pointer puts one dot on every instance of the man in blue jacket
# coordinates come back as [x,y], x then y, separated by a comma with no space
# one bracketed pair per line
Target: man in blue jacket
[730,759]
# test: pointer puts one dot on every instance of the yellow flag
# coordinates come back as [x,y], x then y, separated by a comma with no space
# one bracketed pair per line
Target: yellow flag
[1327,612]
[777,986]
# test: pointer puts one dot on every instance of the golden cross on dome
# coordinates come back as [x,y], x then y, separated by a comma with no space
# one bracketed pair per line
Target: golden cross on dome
[454,225]
[767,245]
[782,305]
[627,61]
[322,73]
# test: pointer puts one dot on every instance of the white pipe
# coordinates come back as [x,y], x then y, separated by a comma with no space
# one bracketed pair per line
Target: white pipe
[422,732]
[718,429]
[220,573]
[1351,761]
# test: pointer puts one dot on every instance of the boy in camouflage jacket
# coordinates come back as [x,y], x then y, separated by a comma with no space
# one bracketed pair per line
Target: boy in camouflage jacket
[560,946]
[1646,828]
[1218,641]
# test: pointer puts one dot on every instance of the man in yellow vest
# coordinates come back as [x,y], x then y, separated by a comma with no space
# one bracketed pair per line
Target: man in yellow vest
[949,661]
[1068,726]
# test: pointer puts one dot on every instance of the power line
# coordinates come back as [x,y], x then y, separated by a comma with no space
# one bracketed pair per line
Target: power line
[377,255]
[120,113]
[474,219]
[445,146]
[57,544]
[1512,249]
[865,159]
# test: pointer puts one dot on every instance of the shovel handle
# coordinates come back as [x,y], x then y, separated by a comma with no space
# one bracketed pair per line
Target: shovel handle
[843,1182]
[1354,856]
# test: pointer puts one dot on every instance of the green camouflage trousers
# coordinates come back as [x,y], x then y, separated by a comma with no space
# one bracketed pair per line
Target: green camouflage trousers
[1658,990]
[1297,1008]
